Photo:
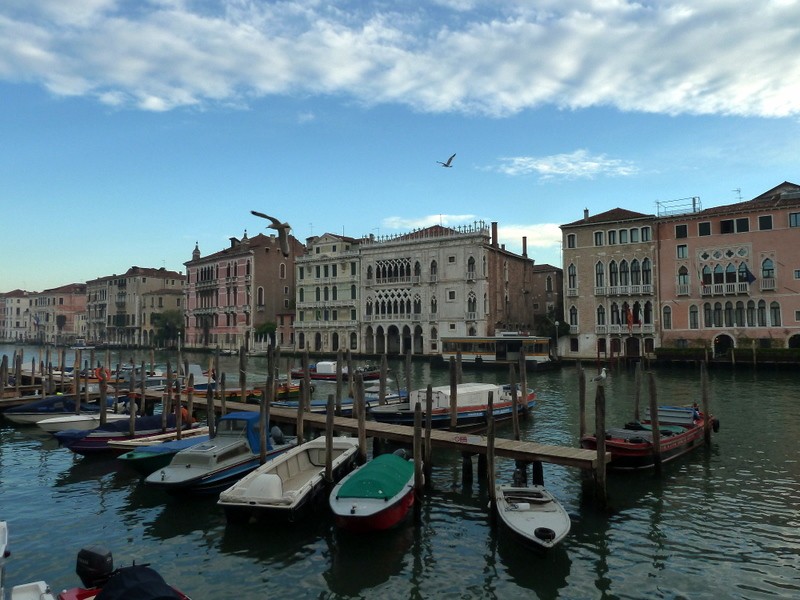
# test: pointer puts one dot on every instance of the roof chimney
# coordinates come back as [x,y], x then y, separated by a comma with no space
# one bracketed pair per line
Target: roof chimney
[525,246]
[585,214]
[494,234]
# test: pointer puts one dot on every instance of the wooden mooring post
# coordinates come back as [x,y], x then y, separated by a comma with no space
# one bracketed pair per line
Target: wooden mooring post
[654,426]
[600,429]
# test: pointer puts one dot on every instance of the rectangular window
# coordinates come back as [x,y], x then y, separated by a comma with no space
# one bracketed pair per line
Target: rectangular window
[451,259]
[794,219]
[683,251]
[451,294]
[598,238]
[623,236]
[797,315]
[797,273]
[742,225]
[681,231]
[764,222]
[634,236]
[612,237]
[571,240]
[704,228]
[646,234]
[726,226]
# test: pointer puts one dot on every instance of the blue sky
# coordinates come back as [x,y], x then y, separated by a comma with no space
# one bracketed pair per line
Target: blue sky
[130,130]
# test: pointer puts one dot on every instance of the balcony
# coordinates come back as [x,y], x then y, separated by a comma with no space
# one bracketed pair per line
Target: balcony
[725,289]
[471,316]
[684,289]
[600,290]
[470,276]
[767,283]
[572,292]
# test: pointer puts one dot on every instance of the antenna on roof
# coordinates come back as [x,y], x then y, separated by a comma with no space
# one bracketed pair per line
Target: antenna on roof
[738,193]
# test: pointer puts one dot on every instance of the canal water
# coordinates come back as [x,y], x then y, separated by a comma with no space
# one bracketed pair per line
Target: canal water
[722,522]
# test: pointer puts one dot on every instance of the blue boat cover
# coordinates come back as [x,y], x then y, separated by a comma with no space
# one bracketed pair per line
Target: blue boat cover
[138,582]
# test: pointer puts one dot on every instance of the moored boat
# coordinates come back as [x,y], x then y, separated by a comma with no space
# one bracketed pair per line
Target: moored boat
[325,370]
[47,407]
[371,399]
[286,487]
[97,440]
[214,465]
[83,422]
[375,496]
[472,406]
[532,515]
[681,430]
[150,457]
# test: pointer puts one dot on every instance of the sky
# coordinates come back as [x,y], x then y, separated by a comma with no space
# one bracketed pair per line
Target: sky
[132,130]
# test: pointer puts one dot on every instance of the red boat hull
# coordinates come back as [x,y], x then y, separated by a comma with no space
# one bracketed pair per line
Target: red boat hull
[390,517]
[636,453]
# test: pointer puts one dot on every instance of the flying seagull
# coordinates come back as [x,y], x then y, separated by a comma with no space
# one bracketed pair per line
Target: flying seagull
[281,228]
[602,375]
[448,163]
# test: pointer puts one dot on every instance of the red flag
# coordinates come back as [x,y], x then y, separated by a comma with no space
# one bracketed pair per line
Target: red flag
[629,318]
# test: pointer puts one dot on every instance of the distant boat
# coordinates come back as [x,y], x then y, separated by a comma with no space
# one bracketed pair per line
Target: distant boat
[532,515]
[97,440]
[472,405]
[46,408]
[376,496]
[325,370]
[286,487]
[371,400]
[214,465]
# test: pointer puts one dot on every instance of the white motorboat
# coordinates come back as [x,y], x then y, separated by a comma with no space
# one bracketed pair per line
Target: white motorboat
[532,515]
[288,485]
[84,422]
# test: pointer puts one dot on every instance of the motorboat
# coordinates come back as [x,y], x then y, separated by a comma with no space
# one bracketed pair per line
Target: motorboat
[214,465]
[472,405]
[48,407]
[286,487]
[148,458]
[681,430]
[325,370]
[532,515]
[83,422]
[375,496]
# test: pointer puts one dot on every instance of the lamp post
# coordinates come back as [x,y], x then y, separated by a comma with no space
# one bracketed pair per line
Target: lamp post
[555,350]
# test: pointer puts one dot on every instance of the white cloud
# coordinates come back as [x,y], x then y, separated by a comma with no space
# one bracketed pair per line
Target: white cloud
[577,164]
[721,57]
[427,221]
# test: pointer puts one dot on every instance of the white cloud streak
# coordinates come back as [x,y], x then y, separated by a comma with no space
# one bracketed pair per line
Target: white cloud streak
[575,165]
[723,57]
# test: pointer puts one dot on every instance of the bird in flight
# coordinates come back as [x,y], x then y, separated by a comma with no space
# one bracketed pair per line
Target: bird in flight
[281,228]
[602,376]
[449,162]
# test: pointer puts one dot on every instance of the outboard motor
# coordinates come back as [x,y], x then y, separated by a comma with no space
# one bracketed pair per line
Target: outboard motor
[277,435]
[402,453]
[94,566]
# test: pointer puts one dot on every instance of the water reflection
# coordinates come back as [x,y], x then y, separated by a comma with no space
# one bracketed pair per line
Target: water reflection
[360,562]
[543,572]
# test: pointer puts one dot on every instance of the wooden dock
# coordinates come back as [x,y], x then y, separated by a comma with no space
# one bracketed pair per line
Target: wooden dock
[462,442]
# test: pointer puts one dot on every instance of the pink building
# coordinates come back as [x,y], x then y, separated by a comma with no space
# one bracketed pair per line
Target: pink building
[729,276]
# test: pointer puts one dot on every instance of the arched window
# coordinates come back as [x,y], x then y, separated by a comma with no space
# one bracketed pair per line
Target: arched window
[548,284]
[573,315]
[707,279]
[666,317]
[648,313]
[707,316]
[615,320]
[730,273]
[572,276]
[683,276]
[471,267]
[738,317]
[599,274]
[434,269]
[472,303]
[318,294]
[767,269]
[417,269]
[301,295]
[635,273]
[260,296]
[729,314]
[717,314]
[353,292]
[623,272]
[282,273]
[694,317]
[646,272]
[613,276]
[719,274]
[762,313]
[775,314]
[601,315]
[369,272]
[433,305]
[751,313]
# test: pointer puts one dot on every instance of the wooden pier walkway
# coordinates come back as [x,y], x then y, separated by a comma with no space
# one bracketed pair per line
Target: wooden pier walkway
[455,440]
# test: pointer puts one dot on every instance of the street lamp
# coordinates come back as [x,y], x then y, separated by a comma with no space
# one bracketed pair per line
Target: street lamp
[555,350]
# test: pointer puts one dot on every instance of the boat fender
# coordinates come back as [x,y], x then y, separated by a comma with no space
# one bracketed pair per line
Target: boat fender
[715,425]
[545,533]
